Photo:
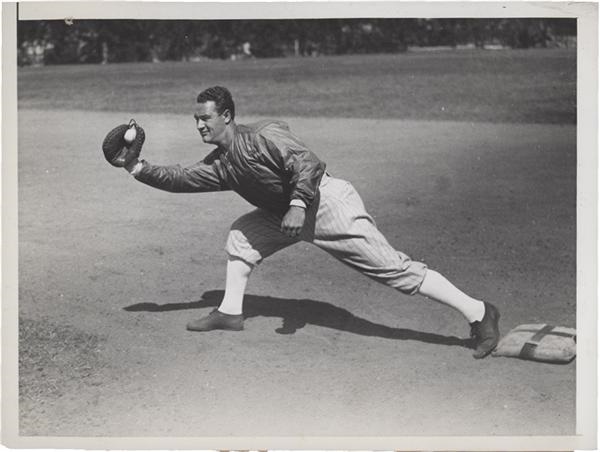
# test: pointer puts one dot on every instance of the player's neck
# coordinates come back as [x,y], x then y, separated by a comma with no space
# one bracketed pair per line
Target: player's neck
[226,140]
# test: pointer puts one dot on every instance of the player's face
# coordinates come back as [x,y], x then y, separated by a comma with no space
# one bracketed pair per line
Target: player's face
[210,123]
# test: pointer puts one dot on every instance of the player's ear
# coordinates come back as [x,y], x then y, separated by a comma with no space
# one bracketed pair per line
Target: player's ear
[227,116]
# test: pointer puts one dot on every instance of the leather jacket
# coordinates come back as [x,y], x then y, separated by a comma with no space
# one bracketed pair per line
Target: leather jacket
[267,165]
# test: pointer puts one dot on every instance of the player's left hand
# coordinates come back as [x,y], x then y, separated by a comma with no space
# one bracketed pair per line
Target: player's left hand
[293,221]
[119,151]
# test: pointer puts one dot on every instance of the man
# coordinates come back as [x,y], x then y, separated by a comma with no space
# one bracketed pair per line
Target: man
[296,200]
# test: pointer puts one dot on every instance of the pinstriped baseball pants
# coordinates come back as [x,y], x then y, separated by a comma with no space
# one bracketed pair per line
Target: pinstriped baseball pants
[338,223]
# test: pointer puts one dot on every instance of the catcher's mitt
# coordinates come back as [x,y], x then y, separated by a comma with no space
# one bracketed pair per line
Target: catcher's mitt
[117,151]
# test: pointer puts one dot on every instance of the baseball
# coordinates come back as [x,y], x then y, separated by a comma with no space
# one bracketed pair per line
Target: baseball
[130,134]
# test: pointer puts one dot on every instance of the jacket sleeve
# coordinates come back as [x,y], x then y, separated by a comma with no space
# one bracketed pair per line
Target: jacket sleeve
[200,177]
[287,152]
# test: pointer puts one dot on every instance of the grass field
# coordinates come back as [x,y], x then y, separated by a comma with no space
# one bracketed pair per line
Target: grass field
[111,270]
[531,86]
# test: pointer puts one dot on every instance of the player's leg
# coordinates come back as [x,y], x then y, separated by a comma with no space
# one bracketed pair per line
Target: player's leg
[236,279]
[482,316]
[436,287]
[252,238]
[344,229]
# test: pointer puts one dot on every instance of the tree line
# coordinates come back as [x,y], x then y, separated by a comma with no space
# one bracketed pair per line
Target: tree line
[108,41]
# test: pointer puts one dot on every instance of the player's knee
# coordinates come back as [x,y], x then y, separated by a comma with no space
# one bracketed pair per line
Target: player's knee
[238,247]
[411,277]
[404,275]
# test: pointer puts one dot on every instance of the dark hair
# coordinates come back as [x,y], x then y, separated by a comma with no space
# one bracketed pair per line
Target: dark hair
[221,97]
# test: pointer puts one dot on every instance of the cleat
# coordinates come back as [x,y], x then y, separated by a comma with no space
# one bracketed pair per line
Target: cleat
[485,333]
[216,320]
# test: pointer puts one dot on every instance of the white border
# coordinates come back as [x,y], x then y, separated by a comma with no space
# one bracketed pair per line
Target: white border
[587,143]
[297,9]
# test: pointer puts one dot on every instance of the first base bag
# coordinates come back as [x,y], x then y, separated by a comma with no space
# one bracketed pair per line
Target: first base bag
[539,342]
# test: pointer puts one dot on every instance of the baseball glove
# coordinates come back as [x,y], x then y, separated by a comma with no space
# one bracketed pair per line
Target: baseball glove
[117,151]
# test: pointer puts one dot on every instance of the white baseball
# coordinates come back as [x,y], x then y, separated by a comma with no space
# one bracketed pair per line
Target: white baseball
[130,135]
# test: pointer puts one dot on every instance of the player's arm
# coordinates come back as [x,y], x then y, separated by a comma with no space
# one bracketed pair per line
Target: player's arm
[303,168]
[122,147]
[200,177]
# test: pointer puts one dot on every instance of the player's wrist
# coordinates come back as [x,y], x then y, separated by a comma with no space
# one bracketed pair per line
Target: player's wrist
[297,203]
[134,166]
[297,209]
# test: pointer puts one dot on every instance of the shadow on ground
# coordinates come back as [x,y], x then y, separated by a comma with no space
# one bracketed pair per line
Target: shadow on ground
[298,313]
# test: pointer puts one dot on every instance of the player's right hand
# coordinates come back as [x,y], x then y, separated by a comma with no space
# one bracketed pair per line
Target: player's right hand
[293,220]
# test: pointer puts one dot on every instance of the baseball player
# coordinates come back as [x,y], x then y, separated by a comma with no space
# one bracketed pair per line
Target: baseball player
[296,200]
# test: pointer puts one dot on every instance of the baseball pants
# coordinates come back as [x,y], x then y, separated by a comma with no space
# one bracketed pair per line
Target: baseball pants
[336,222]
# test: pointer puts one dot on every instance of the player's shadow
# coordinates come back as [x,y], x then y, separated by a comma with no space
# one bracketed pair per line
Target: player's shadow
[298,313]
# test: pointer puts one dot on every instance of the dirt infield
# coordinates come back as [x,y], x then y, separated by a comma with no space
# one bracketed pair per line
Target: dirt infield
[115,269]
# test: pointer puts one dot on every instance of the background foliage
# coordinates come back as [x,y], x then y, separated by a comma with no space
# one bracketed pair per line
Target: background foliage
[105,41]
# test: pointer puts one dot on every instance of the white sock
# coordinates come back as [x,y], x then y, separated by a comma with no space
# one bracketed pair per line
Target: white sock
[238,273]
[438,288]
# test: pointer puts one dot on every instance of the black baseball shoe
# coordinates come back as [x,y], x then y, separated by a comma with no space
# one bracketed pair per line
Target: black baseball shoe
[485,333]
[216,320]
